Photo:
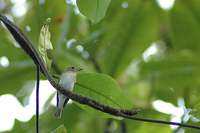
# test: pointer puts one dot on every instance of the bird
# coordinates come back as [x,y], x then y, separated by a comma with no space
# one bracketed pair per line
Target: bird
[67,80]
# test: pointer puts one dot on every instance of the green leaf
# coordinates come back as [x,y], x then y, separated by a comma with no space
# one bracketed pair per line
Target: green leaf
[104,89]
[44,43]
[185,26]
[94,10]
[172,74]
[124,40]
[196,111]
[60,129]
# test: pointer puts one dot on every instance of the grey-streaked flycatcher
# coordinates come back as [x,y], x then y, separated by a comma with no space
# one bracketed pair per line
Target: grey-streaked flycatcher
[67,80]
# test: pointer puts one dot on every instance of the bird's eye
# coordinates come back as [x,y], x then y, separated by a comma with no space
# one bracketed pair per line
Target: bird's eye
[72,67]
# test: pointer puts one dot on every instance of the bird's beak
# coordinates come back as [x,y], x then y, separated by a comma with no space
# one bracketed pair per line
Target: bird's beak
[80,69]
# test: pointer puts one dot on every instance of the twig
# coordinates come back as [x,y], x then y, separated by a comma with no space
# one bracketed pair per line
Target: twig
[37,99]
[158,121]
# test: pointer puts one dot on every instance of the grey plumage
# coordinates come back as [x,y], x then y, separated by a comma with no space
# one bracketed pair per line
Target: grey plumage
[67,80]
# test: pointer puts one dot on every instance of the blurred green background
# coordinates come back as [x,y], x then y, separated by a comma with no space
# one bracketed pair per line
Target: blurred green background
[152,53]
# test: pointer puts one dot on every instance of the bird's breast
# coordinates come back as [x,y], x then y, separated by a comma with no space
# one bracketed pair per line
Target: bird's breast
[68,81]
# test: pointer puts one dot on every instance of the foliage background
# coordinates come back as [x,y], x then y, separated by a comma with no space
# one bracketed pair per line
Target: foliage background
[115,45]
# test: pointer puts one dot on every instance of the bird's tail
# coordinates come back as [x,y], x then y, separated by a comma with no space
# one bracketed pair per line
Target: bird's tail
[58,113]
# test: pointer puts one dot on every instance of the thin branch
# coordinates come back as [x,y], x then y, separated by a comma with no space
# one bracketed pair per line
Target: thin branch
[158,121]
[37,99]
[29,48]
[95,104]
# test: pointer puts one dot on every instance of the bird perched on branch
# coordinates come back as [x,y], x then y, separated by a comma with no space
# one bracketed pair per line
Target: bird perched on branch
[67,80]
